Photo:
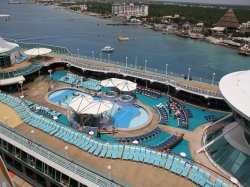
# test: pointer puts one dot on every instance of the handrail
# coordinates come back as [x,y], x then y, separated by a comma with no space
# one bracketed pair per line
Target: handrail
[208,131]
[141,74]
[58,158]
[138,68]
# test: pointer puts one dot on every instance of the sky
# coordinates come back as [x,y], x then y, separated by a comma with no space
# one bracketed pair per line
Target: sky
[230,2]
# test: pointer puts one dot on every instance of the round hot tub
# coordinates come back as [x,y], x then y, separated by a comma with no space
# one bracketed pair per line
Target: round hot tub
[110,94]
[126,98]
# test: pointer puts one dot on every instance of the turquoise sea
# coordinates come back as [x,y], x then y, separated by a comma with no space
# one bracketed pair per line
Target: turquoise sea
[43,24]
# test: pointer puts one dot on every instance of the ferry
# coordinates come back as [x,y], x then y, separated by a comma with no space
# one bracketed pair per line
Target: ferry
[107,49]
[121,38]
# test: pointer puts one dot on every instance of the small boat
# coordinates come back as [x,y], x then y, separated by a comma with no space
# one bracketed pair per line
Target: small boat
[107,49]
[120,38]
[14,2]
[193,35]
[245,50]
[232,43]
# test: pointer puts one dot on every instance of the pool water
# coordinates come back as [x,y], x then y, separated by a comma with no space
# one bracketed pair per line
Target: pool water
[157,140]
[183,146]
[123,116]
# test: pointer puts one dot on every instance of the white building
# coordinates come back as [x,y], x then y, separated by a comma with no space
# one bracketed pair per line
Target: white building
[245,25]
[130,10]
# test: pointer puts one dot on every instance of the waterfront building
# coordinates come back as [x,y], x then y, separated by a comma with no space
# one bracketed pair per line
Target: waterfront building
[229,21]
[170,19]
[130,9]
[245,25]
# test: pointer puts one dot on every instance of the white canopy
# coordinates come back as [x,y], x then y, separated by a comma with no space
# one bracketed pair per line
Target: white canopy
[12,80]
[126,86]
[37,51]
[97,107]
[112,82]
[80,102]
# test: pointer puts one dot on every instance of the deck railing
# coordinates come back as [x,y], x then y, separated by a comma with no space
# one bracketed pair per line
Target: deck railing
[135,70]
[56,157]
[148,75]
[65,51]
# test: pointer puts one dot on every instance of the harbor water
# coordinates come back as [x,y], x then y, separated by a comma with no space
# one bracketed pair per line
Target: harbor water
[43,24]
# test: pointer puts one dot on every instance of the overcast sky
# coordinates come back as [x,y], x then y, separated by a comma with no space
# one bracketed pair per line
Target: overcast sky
[234,2]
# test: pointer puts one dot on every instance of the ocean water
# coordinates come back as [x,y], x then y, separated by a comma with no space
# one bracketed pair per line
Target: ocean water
[43,24]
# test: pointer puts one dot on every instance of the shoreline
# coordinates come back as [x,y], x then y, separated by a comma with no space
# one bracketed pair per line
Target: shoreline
[119,23]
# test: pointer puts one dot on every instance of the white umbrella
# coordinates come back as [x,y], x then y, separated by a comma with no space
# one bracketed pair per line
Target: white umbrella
[97,107]
[37,51]
[183,154]
[135,142]
[127,86]
[80,102]
[112,82]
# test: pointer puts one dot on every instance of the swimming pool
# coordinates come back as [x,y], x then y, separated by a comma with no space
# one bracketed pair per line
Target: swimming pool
[124,116]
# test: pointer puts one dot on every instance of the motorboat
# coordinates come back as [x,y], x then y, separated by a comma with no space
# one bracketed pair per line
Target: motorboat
[193,35]
[121,38]
[245,50]
[14,2]
[108,49]
[232,43]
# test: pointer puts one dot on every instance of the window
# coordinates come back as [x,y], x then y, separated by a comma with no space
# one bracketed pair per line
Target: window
[18,165]
[11,149]
[5,145]
[18,152]
[39,165]
[73,183]
[65,180]
[24,156]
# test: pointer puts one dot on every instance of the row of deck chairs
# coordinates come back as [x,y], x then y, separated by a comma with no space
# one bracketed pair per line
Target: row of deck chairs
[175,164]
[211,118]
[42,109]
[163,113]
[141,138]
[73,79]
[189,113]
[183,118]
[149,93]
[168,143]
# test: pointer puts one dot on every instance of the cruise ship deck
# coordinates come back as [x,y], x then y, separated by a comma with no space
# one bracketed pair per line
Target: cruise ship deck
[37,137]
